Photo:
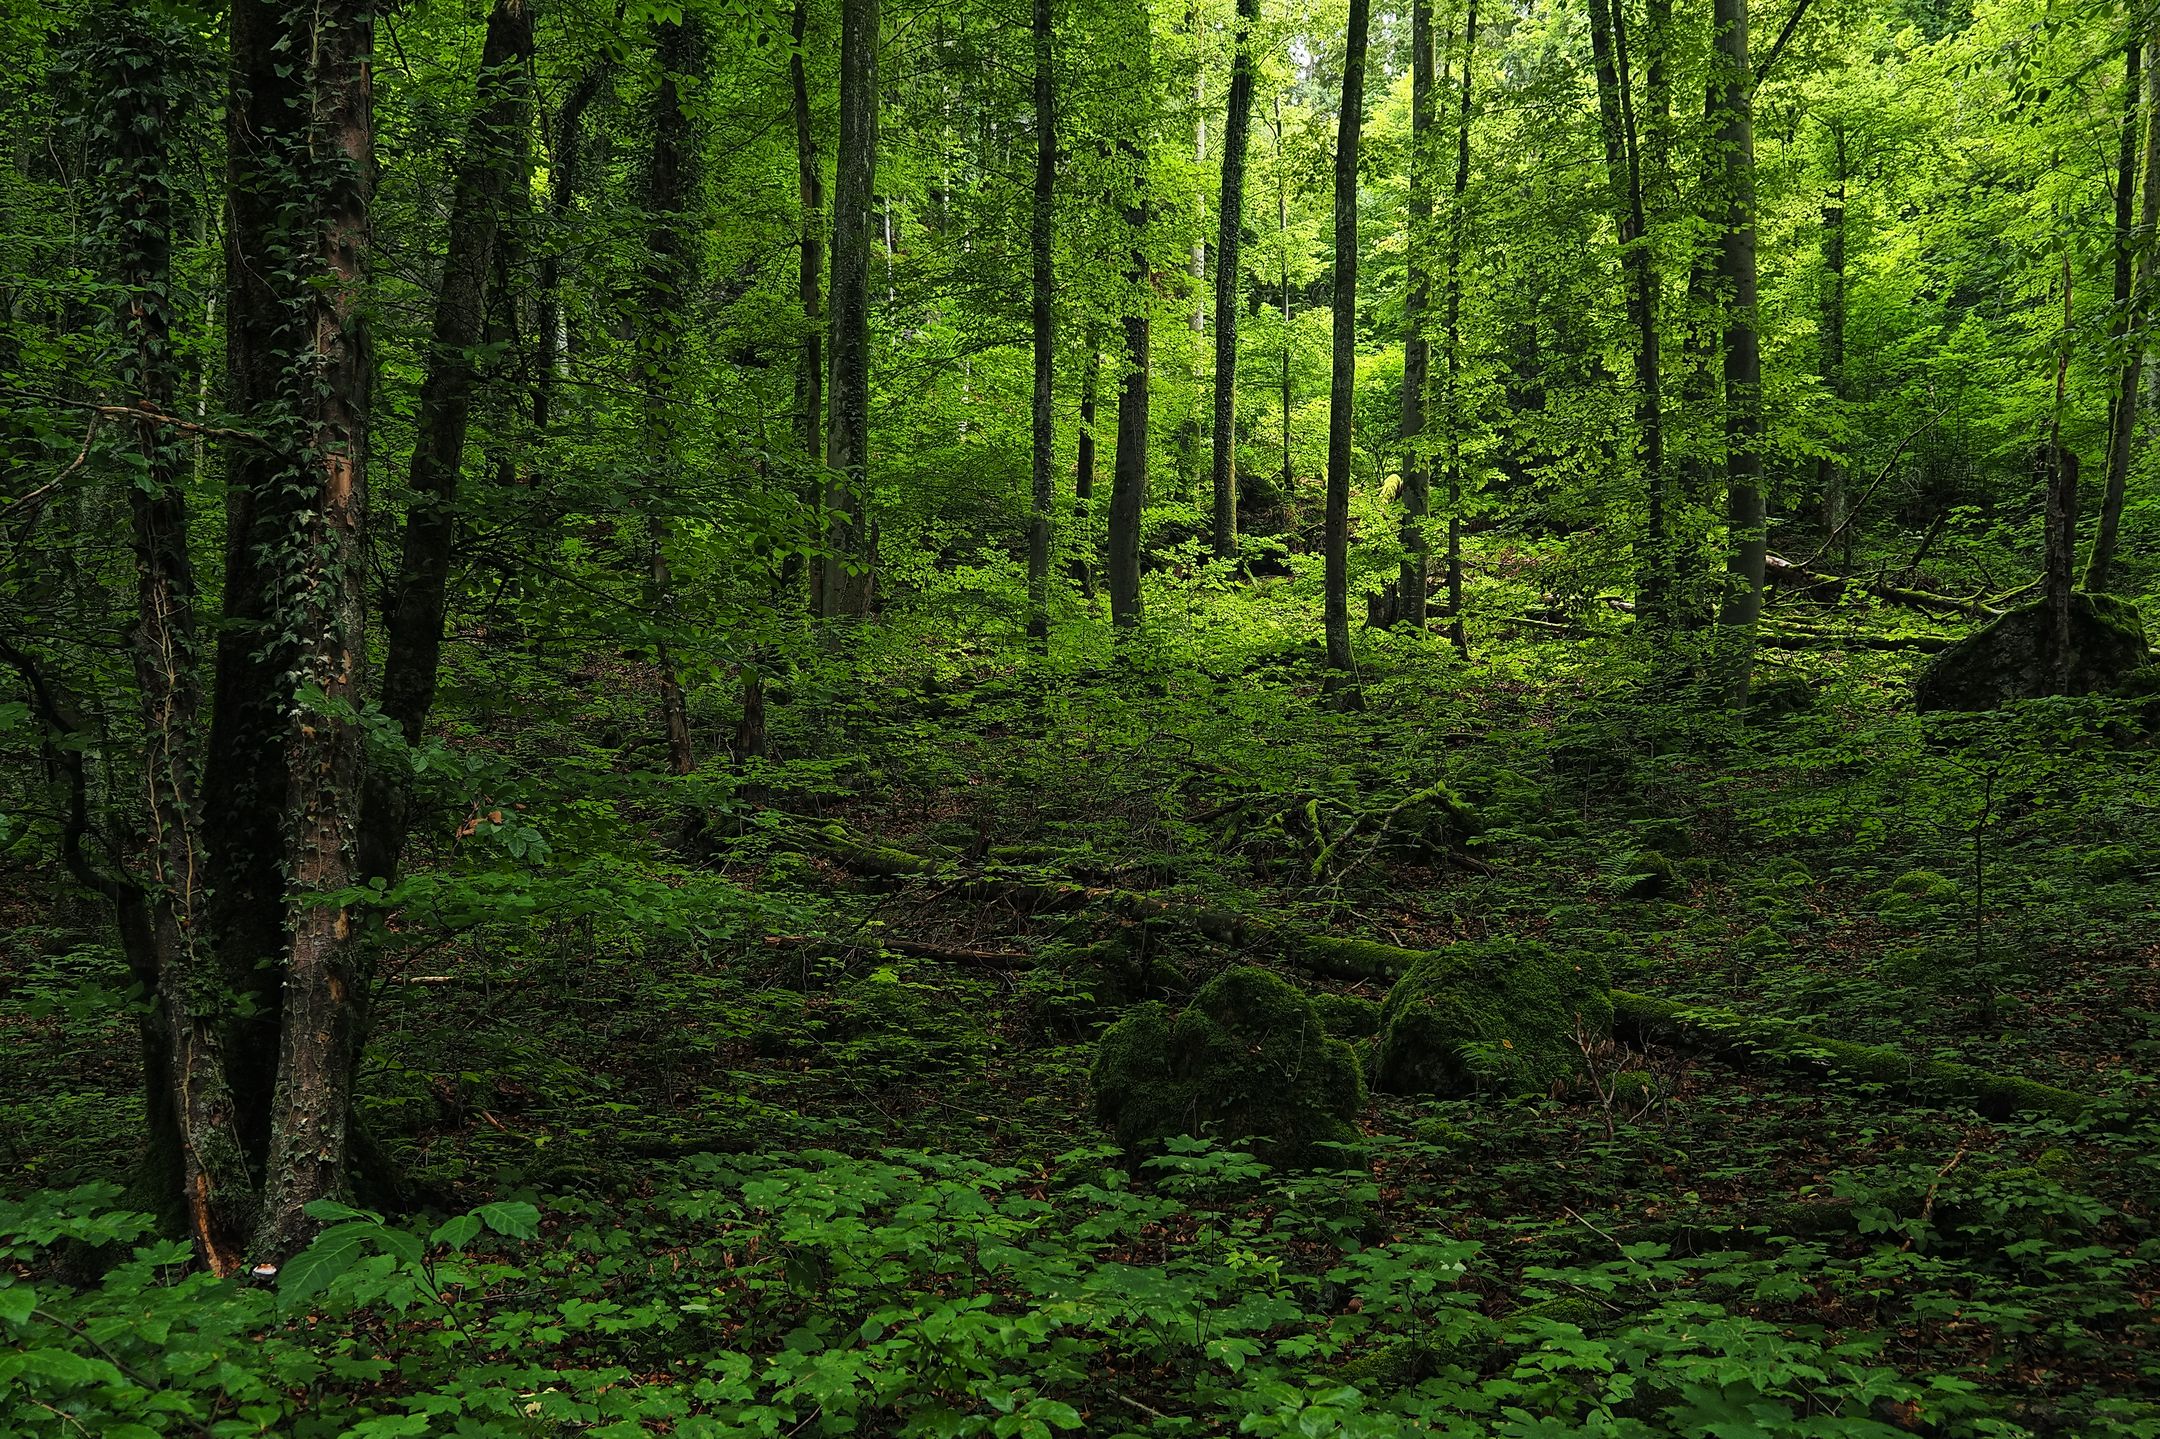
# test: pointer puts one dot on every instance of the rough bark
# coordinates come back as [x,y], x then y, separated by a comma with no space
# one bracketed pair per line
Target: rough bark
[1735,138]
[325,975]
[1282,235]
[810,250]
[1229,276]
[2133,274]
[488,176]
[1342,377]
[1043,326]
[1129,480]
[845,571]
[1411,586]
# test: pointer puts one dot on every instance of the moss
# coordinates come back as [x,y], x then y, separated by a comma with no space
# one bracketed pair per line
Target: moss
[1645,874]
[1634,1086]
[1788,873]
[1355,958]
[1247,1059]
[1776,696]
[1501,1016]
[1924,884]
[1348,1016]
[1782,1045]
[2009,659]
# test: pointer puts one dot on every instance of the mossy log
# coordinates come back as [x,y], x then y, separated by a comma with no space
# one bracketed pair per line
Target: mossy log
[1779,570]
[1779,1044]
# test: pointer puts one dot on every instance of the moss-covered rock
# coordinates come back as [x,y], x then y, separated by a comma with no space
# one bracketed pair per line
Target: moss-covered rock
[1248,1059]
[1501,1016]
[1775,696]
[1348,1016]
[2009,659]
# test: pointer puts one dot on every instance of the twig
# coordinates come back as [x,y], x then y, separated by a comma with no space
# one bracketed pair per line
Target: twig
[138,413]
[1927,1205]
[38,494]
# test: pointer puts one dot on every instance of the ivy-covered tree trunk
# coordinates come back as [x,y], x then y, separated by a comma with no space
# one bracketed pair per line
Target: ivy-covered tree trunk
[2133,279]
[1129,480]
[1735,138]
[494,165]
[1042,318]
[1458,633]
[325,974]
[1229,280]
[1343,363]
[1417,347]
[845,572]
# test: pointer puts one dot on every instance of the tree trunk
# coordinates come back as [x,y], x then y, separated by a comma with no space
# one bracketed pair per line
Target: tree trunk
[325,973]
[2128,328]
[1282,235]
[1342,378]
[1189,432]
[1743,363]
[564,175]
[494,167]
[1084,464]
[1623,175]
[810,190]
[1129,481]
[1830,471]
[1043,325]
[1229,278]
[1417,349]
[1457,633]
[845,570]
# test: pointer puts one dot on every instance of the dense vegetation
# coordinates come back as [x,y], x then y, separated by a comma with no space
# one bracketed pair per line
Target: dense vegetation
[752,718]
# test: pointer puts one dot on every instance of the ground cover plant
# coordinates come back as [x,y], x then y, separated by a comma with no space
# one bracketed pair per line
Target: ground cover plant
[735,719]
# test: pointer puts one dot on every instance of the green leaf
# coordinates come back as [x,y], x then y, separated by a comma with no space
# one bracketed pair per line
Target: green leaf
[456,1233]
[515,1218]
[16,1302]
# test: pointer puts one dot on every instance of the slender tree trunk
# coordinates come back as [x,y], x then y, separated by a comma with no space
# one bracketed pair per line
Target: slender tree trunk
[1229,278]
[565,174]
[844,573]
[195,1167]
[809,287]
[494,166]
[1129,480]
[1282,235]
[1417,348]
[1830,471]
[2128,328]
[1342,379]
[2058,468]
[1043,324]
[1458,633]
[1743,364]
[1189,431]
[1623,172]
[326,975]
[1084,463]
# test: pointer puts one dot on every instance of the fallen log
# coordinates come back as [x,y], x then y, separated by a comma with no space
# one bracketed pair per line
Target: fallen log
[1779,570]
[1796,638]
[1744,1041]
[1749,1041]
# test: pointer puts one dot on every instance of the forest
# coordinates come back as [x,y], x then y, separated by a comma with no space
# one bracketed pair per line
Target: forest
[1122,717]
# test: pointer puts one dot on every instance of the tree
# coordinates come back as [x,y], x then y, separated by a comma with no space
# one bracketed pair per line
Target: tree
[2133,283]
[1129,479]
[1733,109]
[1457,633]
[1343,365]
[1417,349]
[1042,322]
[845,570]
[1230,277]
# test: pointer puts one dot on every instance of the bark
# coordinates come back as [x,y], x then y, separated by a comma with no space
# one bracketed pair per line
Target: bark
[244,775]
[1129,481]
[672,184]
[1830,471]
[2127,330]
[325,974]
[1282,235]
[1043,326]
[1084,464]
[1411,586]
[1624,185]
[2057,474]
[493,167]
[1343,364]
[1457,634]
[845,570]
[1189,432]
[1229,277]
[1735,131]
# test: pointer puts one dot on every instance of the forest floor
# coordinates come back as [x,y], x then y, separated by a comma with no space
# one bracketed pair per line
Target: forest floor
[813,1148]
